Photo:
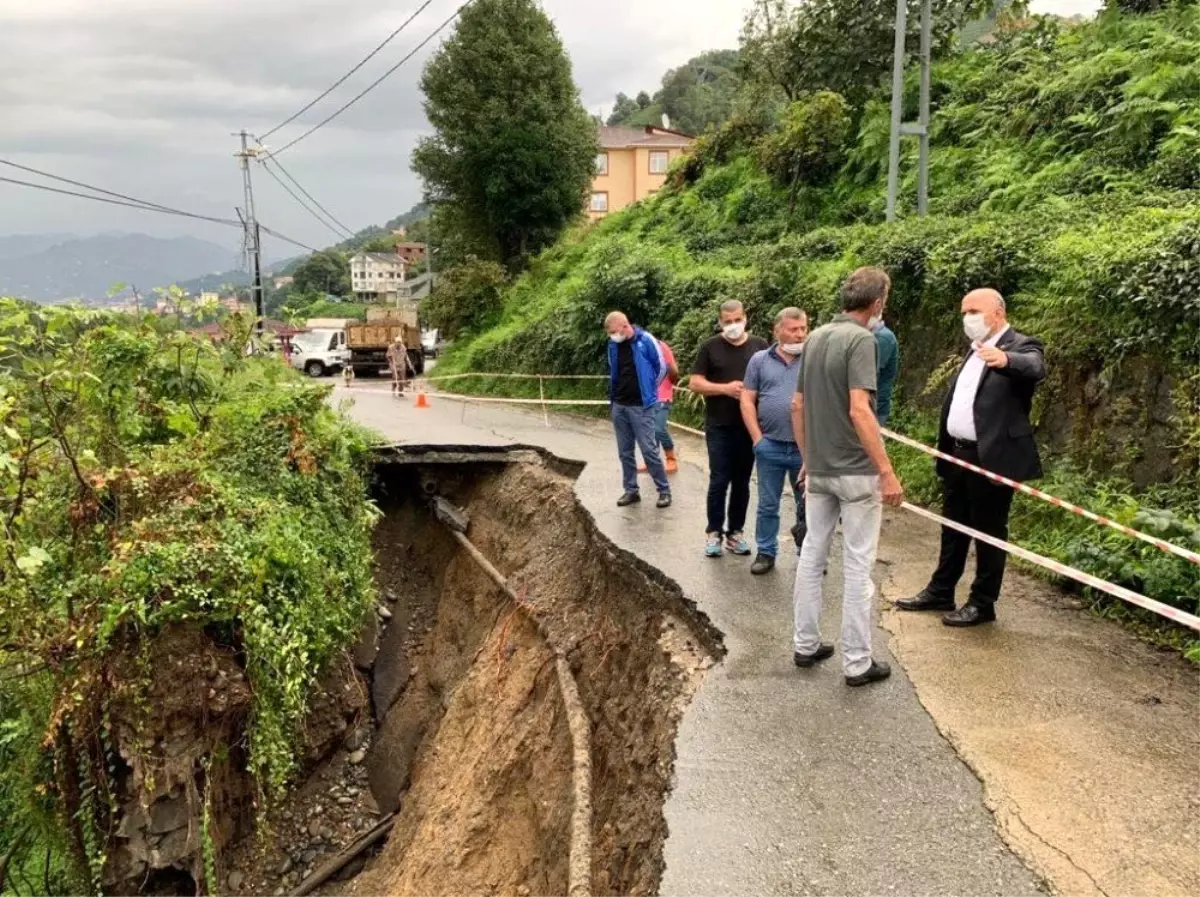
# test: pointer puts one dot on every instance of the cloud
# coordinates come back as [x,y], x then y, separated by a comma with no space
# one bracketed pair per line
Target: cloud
[143,97]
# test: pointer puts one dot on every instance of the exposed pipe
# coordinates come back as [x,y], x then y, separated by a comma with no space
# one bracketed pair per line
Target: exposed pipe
[579,875]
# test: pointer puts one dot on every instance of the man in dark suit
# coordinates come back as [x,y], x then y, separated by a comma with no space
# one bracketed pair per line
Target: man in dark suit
[985,421]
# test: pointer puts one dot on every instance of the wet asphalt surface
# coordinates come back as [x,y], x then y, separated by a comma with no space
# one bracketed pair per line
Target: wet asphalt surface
[787,781]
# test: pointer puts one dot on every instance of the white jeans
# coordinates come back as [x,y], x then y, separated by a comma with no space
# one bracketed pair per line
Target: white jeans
[856,500]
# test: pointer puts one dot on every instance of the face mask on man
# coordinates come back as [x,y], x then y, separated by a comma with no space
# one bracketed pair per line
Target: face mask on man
[617,337]
[733,332]
[875,323]
[792,348]
[975,327]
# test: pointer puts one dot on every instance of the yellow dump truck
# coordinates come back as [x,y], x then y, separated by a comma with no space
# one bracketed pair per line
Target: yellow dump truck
[368,343]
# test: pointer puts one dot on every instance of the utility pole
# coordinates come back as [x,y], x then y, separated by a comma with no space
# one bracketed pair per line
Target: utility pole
[253,236]
[900,128]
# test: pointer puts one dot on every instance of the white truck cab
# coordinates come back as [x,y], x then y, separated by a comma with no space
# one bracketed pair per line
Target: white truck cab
[320,351]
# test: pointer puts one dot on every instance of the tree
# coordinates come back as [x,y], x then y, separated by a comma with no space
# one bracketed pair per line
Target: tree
[622,109]
[642,99]
[845,46]
[513,152]
[465,297]
[323,272]
[810,144]
[700,93]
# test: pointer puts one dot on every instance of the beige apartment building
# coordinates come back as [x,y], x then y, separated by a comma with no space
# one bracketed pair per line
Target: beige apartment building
[377,276]
[632,164]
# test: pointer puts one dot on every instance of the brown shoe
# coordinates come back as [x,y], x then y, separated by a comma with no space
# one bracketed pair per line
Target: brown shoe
[671,461]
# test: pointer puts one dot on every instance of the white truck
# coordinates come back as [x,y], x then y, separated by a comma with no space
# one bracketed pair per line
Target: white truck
[320,351]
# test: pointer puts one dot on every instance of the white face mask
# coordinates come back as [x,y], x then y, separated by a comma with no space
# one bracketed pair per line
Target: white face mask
[975,327]
[792,348]
[617,337]
[875,323]
[733,332]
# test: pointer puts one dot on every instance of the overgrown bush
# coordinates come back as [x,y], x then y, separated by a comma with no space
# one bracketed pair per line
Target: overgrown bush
[151,478]
[466,298]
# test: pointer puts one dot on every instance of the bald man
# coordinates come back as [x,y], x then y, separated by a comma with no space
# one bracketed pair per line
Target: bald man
[985,420]
[636,370]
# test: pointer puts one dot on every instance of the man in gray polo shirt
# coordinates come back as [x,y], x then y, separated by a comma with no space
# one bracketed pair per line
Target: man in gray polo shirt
[767,392]
[848,475]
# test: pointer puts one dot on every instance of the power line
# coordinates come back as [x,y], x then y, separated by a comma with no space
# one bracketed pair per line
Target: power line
[304,205]
[342,231]
[340,81]
[137,204]
[132,200]
[278,235]
[375,83]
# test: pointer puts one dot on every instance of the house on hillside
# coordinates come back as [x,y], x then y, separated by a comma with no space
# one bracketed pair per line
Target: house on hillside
[411,252]
[417,288]
[632,164]
[377,276]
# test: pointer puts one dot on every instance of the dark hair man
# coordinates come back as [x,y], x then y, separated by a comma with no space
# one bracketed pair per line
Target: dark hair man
[767,394]
[847,471]
[636,368]
[717,375]
[985,420]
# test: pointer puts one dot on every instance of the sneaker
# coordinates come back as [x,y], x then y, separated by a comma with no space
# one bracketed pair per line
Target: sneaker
[664,500]
[712,548]
[764,563]
[736,544]
[876,672]
[629,498]
[824,652]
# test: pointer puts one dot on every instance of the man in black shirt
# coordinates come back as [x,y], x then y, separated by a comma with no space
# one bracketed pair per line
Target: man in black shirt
[636,369]
[717,375]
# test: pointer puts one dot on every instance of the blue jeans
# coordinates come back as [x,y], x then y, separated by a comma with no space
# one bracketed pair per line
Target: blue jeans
[661,412]
[634,426]
[776,460]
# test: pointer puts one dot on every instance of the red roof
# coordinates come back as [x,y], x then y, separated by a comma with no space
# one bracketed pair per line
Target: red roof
[623,136]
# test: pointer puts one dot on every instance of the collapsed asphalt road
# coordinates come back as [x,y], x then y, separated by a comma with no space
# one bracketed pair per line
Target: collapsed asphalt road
[789,783]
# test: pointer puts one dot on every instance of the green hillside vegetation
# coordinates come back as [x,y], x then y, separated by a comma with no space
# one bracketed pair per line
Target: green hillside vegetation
[156,482]
[698,94]
[1064,173]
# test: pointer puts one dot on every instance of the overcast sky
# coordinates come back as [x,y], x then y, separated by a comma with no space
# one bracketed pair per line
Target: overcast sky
[142,96]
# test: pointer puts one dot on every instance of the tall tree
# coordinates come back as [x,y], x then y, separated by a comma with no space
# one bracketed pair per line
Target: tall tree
[701,91]
[323,272]
[622,109]
[514,150]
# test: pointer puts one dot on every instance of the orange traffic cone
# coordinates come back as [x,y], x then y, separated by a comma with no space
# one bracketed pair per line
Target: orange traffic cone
[422,402]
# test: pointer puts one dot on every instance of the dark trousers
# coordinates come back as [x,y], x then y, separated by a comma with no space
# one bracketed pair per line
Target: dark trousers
[980,504]
[730,463]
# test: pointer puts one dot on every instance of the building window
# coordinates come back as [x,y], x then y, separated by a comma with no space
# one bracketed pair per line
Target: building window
[659,159]
[600,202]
[601,163]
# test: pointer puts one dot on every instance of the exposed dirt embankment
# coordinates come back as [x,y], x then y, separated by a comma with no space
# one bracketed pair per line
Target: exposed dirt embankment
[473,745]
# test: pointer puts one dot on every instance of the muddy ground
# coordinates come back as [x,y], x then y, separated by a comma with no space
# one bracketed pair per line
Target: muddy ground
[466,738]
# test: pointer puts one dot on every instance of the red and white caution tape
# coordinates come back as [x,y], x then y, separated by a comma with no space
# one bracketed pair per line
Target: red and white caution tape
[501,401]
[1163,610]
[1046,497]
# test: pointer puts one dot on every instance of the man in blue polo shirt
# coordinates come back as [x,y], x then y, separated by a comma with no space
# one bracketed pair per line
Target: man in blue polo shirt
[767,391]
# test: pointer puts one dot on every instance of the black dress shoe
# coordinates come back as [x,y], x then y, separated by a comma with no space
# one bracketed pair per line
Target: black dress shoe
[664,500]
[970,615]
[807,660]
[764,563]
[629,498]
[925,601]
[876,672]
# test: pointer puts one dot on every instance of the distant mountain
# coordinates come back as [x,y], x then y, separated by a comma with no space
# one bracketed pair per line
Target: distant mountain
[51,268]
[27,244]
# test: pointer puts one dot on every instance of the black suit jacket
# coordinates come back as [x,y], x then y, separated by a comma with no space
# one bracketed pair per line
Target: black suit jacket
[1002,405]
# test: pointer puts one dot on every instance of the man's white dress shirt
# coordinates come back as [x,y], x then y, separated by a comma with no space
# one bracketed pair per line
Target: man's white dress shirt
[960,423]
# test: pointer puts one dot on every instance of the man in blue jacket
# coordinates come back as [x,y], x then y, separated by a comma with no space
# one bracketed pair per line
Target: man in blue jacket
[636,367]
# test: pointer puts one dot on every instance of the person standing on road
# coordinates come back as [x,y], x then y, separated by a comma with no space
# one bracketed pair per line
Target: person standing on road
[766,403]
[636,369]
[985,421]
[888,351]
[717,375]
[400,365]
[847,473]
[662,411]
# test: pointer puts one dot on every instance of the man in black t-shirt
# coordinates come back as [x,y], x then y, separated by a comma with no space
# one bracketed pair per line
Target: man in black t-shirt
[717,375]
